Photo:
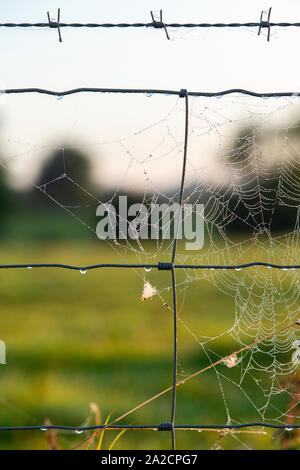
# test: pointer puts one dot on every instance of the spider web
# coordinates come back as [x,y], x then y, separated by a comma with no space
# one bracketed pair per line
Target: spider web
[244,167]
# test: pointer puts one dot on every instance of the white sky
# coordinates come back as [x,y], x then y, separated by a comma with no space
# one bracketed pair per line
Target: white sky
[206,60]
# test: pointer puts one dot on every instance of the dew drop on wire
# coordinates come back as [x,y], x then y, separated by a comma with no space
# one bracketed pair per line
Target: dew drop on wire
[29,267]
[289,429]
[78,431]
[44,429]
[238,269]
[59,98]
[148,270]
[149,95]
[82,271]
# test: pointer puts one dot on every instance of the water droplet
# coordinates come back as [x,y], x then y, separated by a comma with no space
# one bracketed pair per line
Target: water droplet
[82,271]
[289,429]
[284,269]
[149,95]
[78,431]
[148,270]
[212,269]
[199,430]
[29,267]
[59,98]
[44,429]
[238,269]
[269,267]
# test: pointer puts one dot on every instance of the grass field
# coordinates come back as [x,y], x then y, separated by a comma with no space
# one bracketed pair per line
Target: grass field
[73,339]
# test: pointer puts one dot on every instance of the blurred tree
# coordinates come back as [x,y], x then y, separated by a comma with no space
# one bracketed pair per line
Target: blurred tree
[7,203]
[64,179]
[7,200]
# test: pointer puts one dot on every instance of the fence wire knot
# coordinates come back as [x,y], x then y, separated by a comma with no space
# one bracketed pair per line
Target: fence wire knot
[165,266]
[165,427]
[183,93]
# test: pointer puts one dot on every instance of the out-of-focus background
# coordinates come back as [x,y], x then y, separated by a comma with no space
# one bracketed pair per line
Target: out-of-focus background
[79,338]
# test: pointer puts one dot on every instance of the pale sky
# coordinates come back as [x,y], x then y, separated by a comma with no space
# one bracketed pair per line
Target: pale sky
[202,60]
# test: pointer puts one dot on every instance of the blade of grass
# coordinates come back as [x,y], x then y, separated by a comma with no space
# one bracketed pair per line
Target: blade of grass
[102,433]
[116,438]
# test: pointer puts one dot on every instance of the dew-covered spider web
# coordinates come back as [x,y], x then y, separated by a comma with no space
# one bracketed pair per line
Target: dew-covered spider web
[243,166]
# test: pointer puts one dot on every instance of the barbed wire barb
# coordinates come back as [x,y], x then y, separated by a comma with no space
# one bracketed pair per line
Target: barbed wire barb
[159,24]
[55,24]
[265,24]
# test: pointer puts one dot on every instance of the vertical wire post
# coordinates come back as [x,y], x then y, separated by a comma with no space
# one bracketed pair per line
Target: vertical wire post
[183,94]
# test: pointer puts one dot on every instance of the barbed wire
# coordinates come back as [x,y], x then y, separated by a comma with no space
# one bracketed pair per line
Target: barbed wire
[156,24]
[147,25]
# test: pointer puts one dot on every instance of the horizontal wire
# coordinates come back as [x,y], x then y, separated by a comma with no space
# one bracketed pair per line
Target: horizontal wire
[176,266]
[151,91]
[156,25]
[150,427]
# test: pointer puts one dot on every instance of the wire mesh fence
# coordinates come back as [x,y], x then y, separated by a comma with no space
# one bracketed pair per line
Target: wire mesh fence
[171,266]
[219,264]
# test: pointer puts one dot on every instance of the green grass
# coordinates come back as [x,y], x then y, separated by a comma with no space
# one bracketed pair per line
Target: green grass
[73,339]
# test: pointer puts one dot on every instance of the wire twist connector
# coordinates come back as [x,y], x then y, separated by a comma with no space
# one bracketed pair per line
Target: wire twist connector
[165,427]
[165,266]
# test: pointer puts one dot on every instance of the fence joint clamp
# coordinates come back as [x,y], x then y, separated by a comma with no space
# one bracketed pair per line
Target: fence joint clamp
[165,266]
[183,93]
[165,427]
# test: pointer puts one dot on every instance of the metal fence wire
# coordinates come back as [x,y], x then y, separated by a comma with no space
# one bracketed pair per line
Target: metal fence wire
[171,266]
[263,23]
